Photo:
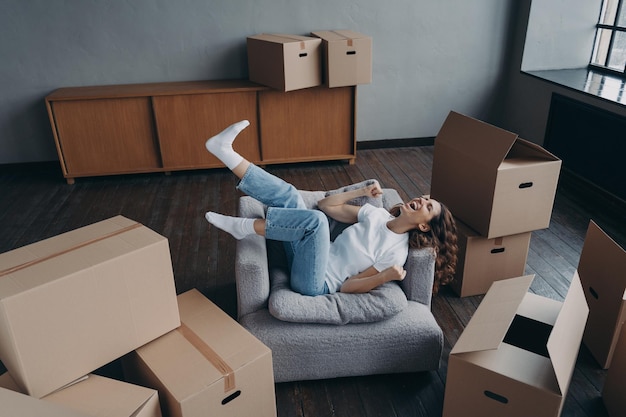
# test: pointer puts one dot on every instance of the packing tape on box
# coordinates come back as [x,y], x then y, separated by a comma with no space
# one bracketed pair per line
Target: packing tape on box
[210,355]
[70,249]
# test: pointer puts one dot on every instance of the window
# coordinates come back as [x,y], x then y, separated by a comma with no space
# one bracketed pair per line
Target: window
[609,52]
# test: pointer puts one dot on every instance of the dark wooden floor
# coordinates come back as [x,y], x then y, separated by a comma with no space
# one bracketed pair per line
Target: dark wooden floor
[36,203]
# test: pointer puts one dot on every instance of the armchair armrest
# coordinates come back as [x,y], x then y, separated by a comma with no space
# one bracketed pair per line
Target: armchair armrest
[420,275]
[251,269]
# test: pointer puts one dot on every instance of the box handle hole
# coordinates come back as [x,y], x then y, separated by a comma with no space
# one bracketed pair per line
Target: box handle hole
[351,53]
[526,185]
[303,54]
[231,397]
[496,397]
[594,293]
[497,250]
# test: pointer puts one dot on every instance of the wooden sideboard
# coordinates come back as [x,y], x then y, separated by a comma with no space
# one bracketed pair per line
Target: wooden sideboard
[162,127]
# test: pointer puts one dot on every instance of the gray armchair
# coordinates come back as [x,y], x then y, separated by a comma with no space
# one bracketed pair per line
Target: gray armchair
[407,339]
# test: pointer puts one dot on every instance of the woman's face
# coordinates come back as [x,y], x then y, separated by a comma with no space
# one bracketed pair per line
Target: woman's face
[421,211]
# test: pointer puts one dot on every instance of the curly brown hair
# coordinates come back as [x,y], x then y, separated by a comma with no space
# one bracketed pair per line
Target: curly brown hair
[442,236]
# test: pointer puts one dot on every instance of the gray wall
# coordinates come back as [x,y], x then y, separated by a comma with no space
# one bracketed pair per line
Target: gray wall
[429,57]
[560,34]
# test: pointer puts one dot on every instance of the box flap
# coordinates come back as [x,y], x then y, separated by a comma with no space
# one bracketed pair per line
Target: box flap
[494,315]
[567,333]
[475,139]
[529,150]
[601,266]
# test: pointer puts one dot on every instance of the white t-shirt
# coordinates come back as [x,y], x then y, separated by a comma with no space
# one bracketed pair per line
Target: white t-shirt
[364,244]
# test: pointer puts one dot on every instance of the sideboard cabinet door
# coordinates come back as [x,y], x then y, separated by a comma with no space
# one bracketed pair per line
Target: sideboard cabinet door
[311,124]
[184,123]
[106,136]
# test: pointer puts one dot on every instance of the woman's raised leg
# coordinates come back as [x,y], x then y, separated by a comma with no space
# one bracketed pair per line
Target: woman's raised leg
[255,181]
[221,145]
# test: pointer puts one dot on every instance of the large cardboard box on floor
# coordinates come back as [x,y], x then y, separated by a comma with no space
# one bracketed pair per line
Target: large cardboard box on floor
[602,269]
[15,404]
[209,366]
[285,62]
[105,397]
[481,261]
[346,57]
[77,301]
[614,390]
[517,354]
[494,181]
[95,395]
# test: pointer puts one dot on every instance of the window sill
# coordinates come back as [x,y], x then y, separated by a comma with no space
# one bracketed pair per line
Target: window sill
[605,86]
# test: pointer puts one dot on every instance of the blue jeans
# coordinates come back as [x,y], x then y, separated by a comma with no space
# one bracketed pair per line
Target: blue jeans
[304,232]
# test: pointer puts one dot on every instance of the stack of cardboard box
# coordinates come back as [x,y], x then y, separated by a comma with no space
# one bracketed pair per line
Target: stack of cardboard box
[73,303]
[291,62]
[499,188]
[517,354]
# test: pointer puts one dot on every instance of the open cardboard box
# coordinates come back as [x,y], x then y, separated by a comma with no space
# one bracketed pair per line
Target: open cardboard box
[346,57]
[517,354]
[285,62]
[614,390]
[602,269]
[77,301]
[95,395]
[210,365]
[494,181]
[483,261]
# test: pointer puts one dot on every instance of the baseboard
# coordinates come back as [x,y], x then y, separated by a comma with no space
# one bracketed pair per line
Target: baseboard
[394,143]
[29,167]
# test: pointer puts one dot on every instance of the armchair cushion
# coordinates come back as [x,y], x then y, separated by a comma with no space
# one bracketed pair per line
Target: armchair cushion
[338,308]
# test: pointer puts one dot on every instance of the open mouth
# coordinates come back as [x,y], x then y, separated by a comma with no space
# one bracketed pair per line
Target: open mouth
[413,205]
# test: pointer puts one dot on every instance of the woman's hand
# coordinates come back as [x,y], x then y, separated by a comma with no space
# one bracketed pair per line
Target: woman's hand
[394,273]
[372,190]
[371,278]
[336,206]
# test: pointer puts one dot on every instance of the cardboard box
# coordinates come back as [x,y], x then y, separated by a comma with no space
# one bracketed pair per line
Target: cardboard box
[346,57]
[77,301]
[285,62]
[517,354]
[614,390]
[95,395]
[495,182]
[106,397]
[602,269]
[481,261]
[209,366]
[15,404]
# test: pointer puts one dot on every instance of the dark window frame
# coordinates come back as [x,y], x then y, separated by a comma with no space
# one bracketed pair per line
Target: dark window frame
[614,28]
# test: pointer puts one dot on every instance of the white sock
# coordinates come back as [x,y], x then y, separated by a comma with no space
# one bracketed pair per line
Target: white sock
[221,145]
[238,227]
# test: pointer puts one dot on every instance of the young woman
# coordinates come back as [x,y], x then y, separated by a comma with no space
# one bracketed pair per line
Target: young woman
[367,254]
